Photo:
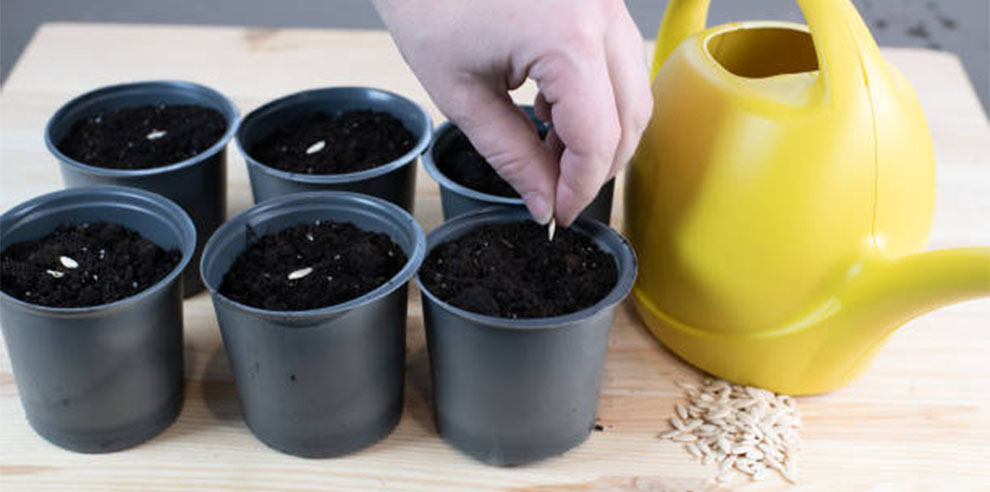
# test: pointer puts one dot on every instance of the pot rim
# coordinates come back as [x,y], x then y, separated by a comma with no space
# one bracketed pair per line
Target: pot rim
[272,106]
[622,253]
[230,112]
[25,210]
[376,206]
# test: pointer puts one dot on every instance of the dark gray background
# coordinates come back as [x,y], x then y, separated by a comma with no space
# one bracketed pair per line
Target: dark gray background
[959,26]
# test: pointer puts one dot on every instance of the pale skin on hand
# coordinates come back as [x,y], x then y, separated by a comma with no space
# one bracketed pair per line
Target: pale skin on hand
[586,57]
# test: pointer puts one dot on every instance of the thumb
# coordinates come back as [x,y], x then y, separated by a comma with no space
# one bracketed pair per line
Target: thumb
[504,135]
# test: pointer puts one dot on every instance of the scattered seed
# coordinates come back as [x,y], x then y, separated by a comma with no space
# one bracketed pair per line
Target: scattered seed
[316,147]
[68,262]
[691,425]
[300,273]
[55,273]
[742,429]
[156,134]
[693,449]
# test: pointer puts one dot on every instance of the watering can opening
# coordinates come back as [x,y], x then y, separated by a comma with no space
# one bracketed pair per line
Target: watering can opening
[760,52]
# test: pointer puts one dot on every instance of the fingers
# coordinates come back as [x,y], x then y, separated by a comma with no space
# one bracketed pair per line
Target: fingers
[542,108]
[578,88]
[631,84]
[503,134]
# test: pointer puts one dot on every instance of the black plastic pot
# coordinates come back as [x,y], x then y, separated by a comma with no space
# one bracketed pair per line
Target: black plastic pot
[101,378]
[457,199]
[394,181]
[326,381]
[514,391]
[197,184]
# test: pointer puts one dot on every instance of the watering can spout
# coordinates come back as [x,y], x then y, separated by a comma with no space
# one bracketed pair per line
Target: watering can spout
[905,288]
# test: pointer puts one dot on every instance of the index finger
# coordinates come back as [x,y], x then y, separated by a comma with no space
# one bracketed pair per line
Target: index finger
[578,88]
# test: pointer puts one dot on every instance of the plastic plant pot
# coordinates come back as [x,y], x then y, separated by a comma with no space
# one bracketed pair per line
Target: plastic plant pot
[100,378]
[197,184]
[514,391]
[321,382]
[394,181]
[457,199]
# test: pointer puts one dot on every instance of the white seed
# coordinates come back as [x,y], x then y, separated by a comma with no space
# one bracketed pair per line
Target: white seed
[754,454]
[551,228]
[316,147]
[669,434]
[68,262]
[55,273]
[691,425]
[727,463]
[751,430]
[300,273]
[693,449]
[156,134]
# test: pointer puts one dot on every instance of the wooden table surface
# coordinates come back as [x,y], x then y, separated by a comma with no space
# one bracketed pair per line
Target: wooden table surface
[918,420]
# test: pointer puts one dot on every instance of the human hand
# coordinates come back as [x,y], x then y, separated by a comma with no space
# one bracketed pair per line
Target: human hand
[587,60]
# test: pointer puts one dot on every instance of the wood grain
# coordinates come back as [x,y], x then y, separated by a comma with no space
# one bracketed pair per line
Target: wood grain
[918,419]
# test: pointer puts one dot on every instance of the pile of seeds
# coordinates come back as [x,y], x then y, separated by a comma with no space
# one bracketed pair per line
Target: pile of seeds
[742,428]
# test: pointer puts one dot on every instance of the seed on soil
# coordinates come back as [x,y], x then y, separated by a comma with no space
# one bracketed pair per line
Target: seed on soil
[156,134]
[742,429]
[300,273]
[82,279]
[68,262]
[318,146]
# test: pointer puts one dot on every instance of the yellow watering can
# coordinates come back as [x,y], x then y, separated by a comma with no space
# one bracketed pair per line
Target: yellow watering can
[781,197]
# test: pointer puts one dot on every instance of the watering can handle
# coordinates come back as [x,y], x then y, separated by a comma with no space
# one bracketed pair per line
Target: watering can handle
[842,41]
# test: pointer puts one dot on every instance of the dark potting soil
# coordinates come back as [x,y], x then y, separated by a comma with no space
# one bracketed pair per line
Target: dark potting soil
[143,137]
[462,163]
[513,271]
[84,265]
[311,266]
[345,142]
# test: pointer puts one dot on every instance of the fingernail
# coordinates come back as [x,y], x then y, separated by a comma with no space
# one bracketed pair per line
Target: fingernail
[540,209]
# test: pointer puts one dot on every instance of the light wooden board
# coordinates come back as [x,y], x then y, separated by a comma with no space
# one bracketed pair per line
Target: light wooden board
[918,420]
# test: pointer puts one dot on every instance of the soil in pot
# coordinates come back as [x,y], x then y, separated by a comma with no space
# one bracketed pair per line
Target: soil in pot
[513,271]
[311,266]
[344,142]
[143,137]
[462,163]
[84,265]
